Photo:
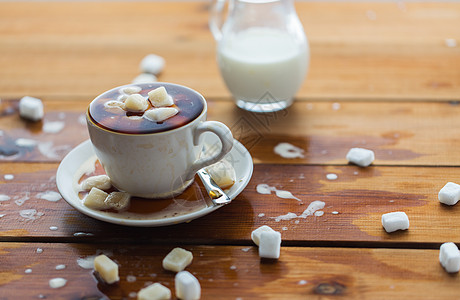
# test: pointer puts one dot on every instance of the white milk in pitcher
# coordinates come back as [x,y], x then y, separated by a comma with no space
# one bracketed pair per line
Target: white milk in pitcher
[261,65]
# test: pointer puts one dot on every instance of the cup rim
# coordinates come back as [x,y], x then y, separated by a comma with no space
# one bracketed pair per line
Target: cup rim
[90,120]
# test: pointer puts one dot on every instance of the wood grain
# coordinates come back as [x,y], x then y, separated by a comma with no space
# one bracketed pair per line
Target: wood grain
[358,50]
[354,204]
[228,272]
[400,133]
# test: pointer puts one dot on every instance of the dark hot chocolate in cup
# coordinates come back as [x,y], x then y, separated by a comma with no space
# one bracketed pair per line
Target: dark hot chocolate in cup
[153,159]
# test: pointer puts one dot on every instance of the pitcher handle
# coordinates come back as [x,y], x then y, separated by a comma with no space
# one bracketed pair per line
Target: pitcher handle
[216,19]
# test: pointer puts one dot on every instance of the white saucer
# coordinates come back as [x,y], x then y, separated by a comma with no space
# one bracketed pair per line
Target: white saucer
[84,154]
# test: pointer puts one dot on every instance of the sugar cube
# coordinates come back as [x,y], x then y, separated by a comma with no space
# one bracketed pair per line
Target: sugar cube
[360,156]
[136,103]
[144,78]
[31,108]
[118,200]
[449,194]
[101,182]
[155,291]
[96,199]
[222,173]
[160,98]
[255,234]
[177,260]
[395,221]
[449,257]
[152,64]
[107,269]
[187,286]
[160,114]
[270,244]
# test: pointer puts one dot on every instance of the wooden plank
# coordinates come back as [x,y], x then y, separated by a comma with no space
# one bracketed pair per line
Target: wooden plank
[402,133]
[230,272]
[354,203]
[358,50]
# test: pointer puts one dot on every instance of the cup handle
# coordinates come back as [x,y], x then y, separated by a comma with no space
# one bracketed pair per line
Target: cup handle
[226,139]
[216,18]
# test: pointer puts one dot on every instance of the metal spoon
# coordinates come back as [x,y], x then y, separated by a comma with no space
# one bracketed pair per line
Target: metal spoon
[217,195]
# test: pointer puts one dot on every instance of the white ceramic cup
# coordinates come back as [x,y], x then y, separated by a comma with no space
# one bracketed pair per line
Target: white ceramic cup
[157,165]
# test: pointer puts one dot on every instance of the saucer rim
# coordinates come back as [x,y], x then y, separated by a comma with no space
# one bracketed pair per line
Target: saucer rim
[84,151]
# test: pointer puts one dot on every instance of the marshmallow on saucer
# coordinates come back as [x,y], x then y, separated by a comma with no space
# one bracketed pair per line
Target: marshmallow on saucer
[449,257]
[360,156]
[449,194]
[395,221]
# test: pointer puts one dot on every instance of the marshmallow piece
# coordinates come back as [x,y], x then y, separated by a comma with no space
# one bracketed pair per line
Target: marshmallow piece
[360,156]
[101,182]
[449,194]
[255,234]
[395,221]
[177,260]
[155,291]
[160,98]
[116,103]
[95,199]
[160,114]
[222,173]
[449,257]
[31,108]
[56,283]
[129,90]
[270,244]
[107,269]
[187,286]
[118,200]
[152,64]
[145,78]
[136,103]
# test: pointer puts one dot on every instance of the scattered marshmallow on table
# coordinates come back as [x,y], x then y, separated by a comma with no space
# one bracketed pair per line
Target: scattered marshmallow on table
[395,221]
[360,156]
[449,194]
[155,291]
[31,108]
[144,78]
[187,286]
[106,268]
[449,257]
[177,260]
[152,63]
[255,234]
[270,244]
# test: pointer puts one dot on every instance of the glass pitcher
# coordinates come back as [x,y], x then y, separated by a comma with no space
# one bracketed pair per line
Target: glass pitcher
[262,51]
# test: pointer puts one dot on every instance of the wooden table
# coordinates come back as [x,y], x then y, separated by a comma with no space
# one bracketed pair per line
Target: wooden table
[382,77]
